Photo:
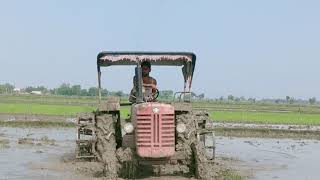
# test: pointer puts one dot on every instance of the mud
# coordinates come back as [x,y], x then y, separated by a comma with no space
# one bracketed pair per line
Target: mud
[4,143]
[39,142]
[267,126]
[106,145]
[267,133]
[272,158]
[185,140]
[9,117]
[16,161]
[253,158]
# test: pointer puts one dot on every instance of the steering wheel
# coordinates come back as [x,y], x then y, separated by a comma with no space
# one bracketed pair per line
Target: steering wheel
[154,95]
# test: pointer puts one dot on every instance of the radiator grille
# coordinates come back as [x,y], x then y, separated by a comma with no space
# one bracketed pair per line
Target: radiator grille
[155,130]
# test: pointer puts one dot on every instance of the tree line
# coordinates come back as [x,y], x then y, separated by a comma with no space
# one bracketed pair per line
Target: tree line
[64,89]
[67,89]
[285,100]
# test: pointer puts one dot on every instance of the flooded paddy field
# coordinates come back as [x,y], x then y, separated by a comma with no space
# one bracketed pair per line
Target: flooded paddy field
[48,153]
[266,158]
[29,152]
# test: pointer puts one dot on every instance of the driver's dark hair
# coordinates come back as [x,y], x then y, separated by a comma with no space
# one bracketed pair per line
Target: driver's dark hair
[146,63]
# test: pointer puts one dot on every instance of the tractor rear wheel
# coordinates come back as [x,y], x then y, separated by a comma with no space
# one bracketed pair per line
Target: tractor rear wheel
[106,144]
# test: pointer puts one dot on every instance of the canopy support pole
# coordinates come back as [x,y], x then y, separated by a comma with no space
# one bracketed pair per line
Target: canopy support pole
[99,84]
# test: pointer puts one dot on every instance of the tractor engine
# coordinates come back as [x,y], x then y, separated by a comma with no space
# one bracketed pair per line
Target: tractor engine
[154,129]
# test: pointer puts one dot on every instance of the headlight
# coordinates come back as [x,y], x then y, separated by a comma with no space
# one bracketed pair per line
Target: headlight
[181,127]
[128,127]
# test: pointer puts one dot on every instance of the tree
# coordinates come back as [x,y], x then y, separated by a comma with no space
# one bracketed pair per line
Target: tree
[193,95]
[64,89]
[6,88]
[230,98]
[312,100]
[119,93]
[84,92]
[104,92]
[201,96]
[93,91]
[291,100]
[287,98]
[242,98]
[166,94]
[253,100]
[76,90]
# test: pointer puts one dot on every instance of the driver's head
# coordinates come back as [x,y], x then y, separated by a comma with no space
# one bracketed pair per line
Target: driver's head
[146,68]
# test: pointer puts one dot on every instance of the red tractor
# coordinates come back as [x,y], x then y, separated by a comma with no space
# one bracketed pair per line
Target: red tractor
[160,137]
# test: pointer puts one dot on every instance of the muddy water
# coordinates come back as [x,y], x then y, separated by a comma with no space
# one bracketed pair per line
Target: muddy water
[22,161]
[257,158]
[273,158]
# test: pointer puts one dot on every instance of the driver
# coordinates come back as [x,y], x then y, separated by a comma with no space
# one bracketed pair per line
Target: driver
[148,81]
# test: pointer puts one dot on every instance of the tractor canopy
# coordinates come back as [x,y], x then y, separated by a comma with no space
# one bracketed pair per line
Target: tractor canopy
[185,59]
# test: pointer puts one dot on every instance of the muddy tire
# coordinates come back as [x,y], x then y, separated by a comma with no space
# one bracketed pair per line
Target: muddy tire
[209,144]
[204,148]
[185,139]
[203,167]
[205,133]
[106,144]
[128,161]
[197,144]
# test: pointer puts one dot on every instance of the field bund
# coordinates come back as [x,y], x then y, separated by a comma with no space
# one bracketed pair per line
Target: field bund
[31,110]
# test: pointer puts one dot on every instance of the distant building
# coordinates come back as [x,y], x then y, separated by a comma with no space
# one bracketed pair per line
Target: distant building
[16,90]
[36,92]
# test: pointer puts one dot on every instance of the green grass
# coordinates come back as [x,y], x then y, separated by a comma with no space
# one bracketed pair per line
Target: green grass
[266,117]
[65,110]
[125,111]
[52,99]
[219,111]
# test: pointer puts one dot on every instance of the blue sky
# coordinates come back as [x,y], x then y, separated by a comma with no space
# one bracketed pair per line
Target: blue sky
[246,48]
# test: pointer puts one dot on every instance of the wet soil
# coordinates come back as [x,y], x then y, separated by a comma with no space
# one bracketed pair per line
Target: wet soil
[267,133]
[4,143]
[271,158]
[268,126]
[35,117]
[44,140]
[254,158]
[54,158]
[267,130]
